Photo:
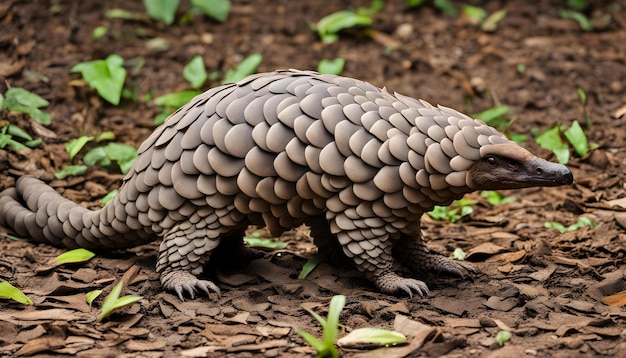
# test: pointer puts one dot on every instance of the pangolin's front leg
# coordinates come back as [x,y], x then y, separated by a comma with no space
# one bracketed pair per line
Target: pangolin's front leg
[411,251]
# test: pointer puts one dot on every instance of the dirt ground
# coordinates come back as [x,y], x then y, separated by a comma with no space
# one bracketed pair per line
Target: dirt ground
[548,289]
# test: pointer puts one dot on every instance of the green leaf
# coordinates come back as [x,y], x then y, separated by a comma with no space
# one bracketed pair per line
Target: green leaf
[503,337]
[20,100]
[99,32]
[16,131]
[578,4]
[582,20]
[105,136]
[474,13]
[491,22]
[330,25]
[113,302]
[555,225]
[73,146]
[105,76]
[72,170]
[577,138]
[216,9]
[458,254]
[176,100]
[74,256]
[120,14]
[373,336]
[309,266]
[495,198]
[108,197]
[21,96]
[162,10]
[582,95]
[264,243]
[194,72]
[123,154]
[414,3]
[331,329]
[95,156]
[92,295]
[9,291]
[1,101]
[247,67]
[551,140]
[497,116]
[447,7]
[312,341]
[332,67]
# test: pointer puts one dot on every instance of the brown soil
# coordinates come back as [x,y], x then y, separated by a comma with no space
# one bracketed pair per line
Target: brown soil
[548,289]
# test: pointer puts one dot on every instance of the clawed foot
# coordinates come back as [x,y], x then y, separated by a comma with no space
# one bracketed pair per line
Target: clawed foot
[184,283]
[391,283]
[448,266]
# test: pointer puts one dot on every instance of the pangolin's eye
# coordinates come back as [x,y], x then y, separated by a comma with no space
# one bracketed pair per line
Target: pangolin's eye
[491,160]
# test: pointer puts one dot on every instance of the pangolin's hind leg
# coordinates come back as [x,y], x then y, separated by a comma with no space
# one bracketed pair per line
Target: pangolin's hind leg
[181,260]
[372,255]
[411,251]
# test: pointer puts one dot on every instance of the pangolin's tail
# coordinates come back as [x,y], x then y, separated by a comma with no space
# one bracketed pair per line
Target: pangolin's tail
[34,209]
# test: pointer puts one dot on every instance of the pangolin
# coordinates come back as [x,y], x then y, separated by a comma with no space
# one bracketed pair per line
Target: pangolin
[358,164]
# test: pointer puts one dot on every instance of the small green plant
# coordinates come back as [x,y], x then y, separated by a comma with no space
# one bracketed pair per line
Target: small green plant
[503,337]
[454,212]
[329,26]
[165,10]
[574,135]
[245,68]
[105,155]
[195,72]
[458,254]
[22,101]
[19,100]
[11,292]
[105,76]
[110,195]
[113,301]
[478,16]
[255,240]
[74,256]
[326,346]
[581,222]
[332,67]
[495,198]
[309,266]
[91,296]
[501,117]
[99,32]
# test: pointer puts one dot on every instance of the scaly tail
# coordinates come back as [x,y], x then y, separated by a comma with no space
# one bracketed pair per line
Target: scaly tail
[34,209]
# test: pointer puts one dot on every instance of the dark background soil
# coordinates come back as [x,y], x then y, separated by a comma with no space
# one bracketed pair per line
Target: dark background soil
[545,287]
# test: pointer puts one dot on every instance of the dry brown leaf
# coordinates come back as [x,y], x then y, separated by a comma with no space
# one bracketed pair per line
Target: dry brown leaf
[619,112]
[508,257]
[616,300]
[621,202]
[486,248]
[142,346]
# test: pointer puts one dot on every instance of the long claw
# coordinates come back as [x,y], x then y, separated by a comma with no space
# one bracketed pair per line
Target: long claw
[184,283]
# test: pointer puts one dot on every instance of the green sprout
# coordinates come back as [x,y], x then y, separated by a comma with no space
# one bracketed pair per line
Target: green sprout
[91,296]
[332,67]
[495,198]
[195,72]
[503,337]
[581,222]
[326,346]
[11,292]
[454,212]
[113,301]
[165,10]
[74,256]
[245,68]
[329,26]
[105,76]
[309,266]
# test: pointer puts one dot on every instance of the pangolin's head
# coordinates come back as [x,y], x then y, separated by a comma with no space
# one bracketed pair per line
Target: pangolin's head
[453,154]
